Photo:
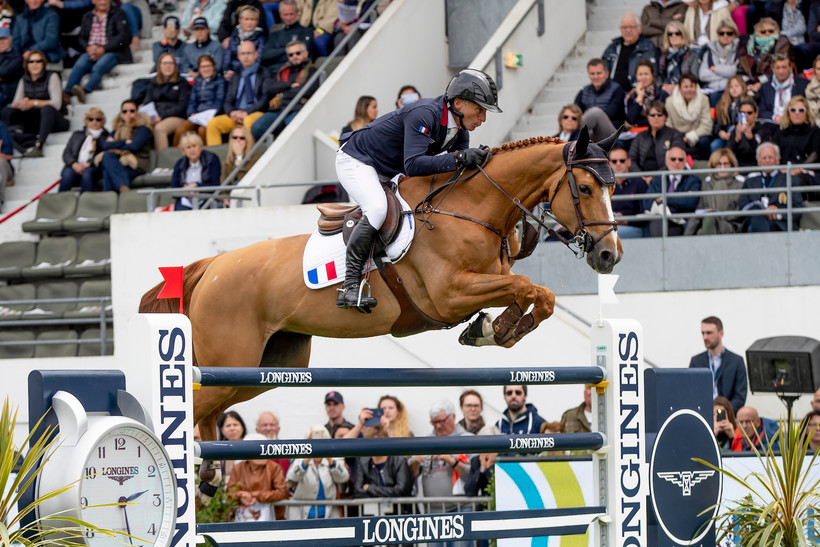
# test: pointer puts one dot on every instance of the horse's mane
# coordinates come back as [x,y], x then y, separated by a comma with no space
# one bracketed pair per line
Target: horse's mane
[513,145]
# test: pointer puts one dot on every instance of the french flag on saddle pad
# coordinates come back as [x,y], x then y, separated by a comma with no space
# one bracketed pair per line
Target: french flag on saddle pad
[323,274]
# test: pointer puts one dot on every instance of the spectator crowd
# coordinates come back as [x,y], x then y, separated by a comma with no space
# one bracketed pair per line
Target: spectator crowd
[713,83]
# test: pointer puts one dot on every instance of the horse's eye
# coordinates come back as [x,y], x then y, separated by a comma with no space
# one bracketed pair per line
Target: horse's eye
[586,189]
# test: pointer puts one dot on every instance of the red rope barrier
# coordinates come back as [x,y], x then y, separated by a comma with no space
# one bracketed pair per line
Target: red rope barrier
[29,202]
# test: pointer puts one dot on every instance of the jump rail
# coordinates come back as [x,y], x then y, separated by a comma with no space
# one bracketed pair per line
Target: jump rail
[392,377]
[401,446]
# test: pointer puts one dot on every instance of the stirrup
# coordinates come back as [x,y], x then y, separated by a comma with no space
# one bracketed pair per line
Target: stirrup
[363,302]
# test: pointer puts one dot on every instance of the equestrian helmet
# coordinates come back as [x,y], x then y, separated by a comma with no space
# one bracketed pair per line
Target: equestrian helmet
[474,86]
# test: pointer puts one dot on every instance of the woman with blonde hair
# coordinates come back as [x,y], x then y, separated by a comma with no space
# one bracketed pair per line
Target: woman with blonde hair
[170,94]
[394,419]
[677,57]
[80,150]
[569,122]
[196,167]
[798,137]
[813,91]
[726,111]
[719,62]
[367,110]
[755,60]
[722,158]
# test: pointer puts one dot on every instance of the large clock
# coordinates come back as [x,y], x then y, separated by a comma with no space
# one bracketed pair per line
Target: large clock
[123,478]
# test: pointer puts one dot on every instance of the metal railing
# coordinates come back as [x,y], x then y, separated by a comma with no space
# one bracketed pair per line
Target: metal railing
[386,506]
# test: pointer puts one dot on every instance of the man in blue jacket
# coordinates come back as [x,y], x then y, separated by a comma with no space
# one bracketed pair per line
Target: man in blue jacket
[728,369]
[678,200]
[520,417]
[11,65]
[410,141]
[623,54]
[38,28]
[602,101]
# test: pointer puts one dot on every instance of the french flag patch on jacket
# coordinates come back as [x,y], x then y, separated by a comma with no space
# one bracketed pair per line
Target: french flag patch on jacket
[323,274]
[423,130]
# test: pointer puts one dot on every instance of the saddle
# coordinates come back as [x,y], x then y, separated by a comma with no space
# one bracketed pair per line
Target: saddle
[337,217]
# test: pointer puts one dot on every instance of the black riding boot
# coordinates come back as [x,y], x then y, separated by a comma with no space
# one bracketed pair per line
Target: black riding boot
[358,251]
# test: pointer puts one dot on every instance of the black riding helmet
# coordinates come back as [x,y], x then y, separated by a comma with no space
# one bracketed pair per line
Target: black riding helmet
[474,86]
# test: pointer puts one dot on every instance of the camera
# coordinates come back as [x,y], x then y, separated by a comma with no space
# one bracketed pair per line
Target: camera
[720,414]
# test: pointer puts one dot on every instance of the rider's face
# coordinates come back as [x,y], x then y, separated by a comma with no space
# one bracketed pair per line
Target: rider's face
[474,115]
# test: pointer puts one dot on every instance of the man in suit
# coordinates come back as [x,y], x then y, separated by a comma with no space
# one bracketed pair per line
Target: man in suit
[728,369]
[784,84]
[768,155]
[679,199]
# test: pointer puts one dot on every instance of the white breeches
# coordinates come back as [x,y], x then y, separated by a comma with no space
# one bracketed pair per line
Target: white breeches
[362,184]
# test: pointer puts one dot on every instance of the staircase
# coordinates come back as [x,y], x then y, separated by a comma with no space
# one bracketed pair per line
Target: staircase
[603,22]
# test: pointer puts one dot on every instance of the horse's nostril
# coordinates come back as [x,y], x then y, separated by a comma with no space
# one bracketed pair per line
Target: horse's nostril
[606,257]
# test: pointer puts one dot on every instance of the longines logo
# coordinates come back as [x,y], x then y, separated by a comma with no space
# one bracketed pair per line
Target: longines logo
[686,479]
[120,474]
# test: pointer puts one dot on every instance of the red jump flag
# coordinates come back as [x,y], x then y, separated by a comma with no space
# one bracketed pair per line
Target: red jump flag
[173,284]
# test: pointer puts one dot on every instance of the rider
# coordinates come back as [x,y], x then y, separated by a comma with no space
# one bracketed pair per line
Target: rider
[410,141]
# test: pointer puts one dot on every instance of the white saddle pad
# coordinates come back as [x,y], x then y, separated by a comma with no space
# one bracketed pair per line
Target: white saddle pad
[323,263]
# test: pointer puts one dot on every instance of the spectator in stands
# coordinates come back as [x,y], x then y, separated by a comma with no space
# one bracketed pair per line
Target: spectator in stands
[520,417]
[812,92]
[170,43]
[690,114]
[202,45]
[810,427]
[230,18]
[316,479]
[254,485]
[281,90]
[69,12]
[569,122]
[623,54]
[755,58]
[396,419]
[38,104]
[38,29]
[579,419]
[702,19]
[719,62]
[633,186]
[754,431]
[805,53]
[793,22]
[768,155]
[367,110]
[726,112]
[648,149]
[169,92]
[601,101]
[748,133]
[80,150]
[248,30]
[207,93]
[657,14]
[471,405]
[723,423]
[642,95]
[267,424]
[322,17]
[104,37]
[127,155]
[6,153]
[210,10]
[239,146]
[722,158]
[676,184]
[407,94]
[383,476]
[11,64]
[678,57]
[274,55]
[798,137]
[196,167]
[334,408]
[245,99]
[482,468]
[230,426]
[783,85]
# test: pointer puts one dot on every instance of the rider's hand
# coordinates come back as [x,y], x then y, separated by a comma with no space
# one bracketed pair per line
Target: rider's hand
[472,157]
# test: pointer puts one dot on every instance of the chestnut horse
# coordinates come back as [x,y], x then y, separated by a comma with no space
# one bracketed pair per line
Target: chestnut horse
[250,307]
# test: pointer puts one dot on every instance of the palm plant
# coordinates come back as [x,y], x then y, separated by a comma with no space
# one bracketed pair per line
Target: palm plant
[37,532]
[781,507]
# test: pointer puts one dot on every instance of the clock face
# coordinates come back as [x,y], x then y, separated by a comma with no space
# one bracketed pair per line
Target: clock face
[127,467]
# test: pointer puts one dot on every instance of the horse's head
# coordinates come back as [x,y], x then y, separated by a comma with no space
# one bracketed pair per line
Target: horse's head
[580,201]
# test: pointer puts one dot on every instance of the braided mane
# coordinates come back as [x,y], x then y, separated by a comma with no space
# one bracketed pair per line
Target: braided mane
[525,142]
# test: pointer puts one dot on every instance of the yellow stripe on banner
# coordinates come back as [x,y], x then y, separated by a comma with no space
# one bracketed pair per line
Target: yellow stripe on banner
[567,492]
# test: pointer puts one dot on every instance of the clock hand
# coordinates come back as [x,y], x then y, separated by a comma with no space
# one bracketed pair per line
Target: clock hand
[123,500]
[132,497]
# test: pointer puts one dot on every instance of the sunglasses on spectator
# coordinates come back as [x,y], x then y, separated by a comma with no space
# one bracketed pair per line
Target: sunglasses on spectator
[617,160]
[797,110]
[128,111]
[238,137]
[656,115]
[726,33]
[569,117]
[514,392]
[32,61]
[93,119]
[767,31]
[681,160]
[674,33]
[747,112]
[294,53]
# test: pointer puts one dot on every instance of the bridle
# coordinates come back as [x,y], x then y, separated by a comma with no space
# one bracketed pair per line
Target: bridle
[581,241]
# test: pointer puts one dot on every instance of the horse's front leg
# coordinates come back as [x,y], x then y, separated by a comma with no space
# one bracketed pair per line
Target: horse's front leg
[476,291]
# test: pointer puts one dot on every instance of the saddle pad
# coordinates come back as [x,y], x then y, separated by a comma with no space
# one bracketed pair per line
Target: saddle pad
[323,263]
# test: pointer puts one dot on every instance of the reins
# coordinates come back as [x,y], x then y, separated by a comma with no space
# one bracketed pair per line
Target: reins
[580,238]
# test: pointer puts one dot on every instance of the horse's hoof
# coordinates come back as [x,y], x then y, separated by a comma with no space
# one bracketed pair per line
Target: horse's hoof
[477,330]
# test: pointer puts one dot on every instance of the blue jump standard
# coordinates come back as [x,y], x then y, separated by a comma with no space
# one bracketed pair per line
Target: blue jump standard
[396,446]
[393,377]
[340,532]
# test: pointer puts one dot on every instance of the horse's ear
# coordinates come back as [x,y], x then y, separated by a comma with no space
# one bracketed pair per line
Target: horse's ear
[582,143]
[610,141]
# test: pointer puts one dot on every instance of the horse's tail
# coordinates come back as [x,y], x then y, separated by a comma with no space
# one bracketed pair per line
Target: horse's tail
[191,275]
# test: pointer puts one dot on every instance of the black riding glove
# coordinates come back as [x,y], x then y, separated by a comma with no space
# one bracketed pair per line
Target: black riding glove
[472,157]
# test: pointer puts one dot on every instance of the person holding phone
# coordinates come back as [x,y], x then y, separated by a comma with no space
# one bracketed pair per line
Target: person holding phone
[423,138]
[407,94]
[724,424]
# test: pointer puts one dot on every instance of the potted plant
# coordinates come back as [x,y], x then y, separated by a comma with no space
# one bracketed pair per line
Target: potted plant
[782,504]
